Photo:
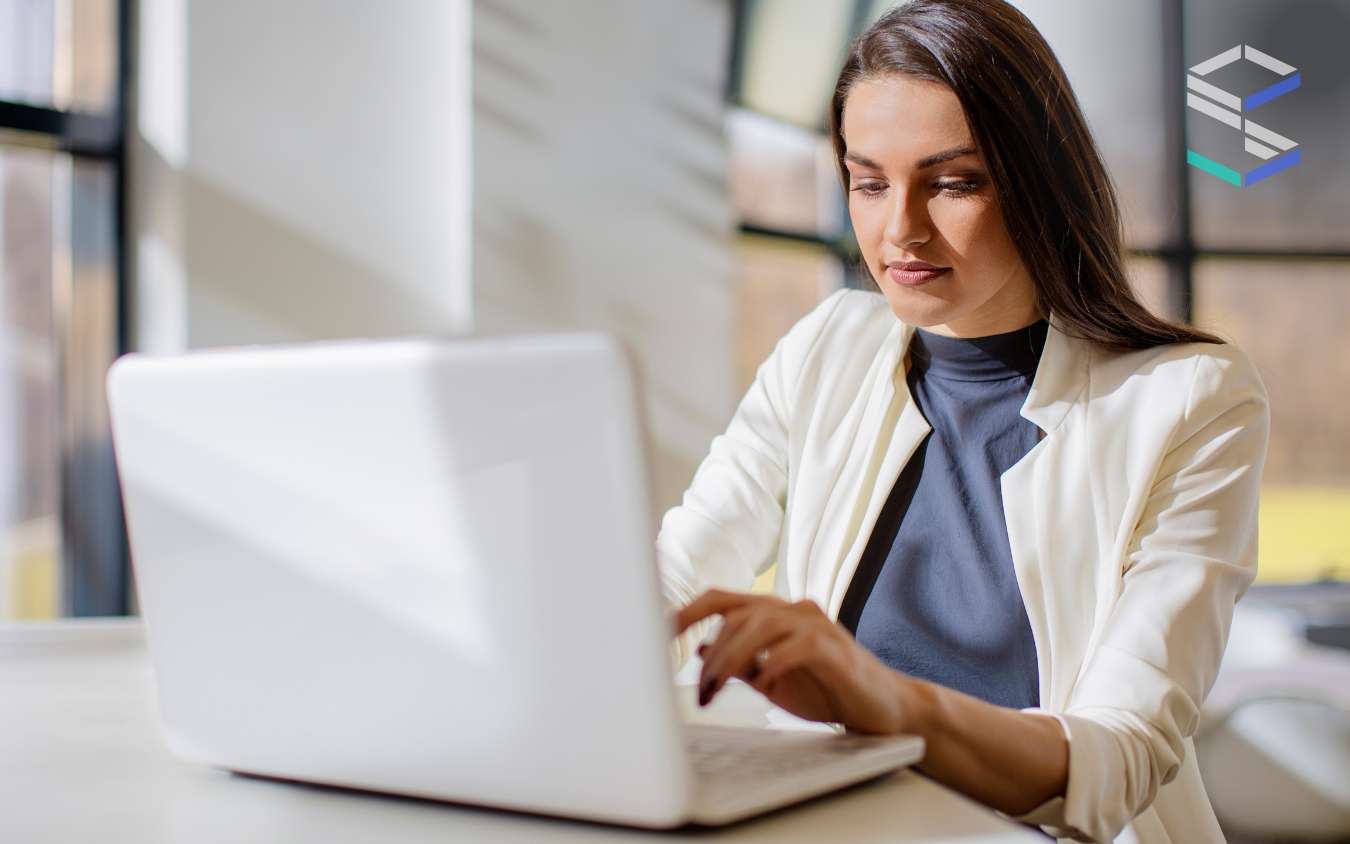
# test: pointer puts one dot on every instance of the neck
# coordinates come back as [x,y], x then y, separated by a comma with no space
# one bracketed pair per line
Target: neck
[976,327]
[1011,308]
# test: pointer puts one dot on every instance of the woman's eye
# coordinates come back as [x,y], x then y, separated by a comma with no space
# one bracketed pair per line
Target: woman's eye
[953,188]
[869,188]
[958,188]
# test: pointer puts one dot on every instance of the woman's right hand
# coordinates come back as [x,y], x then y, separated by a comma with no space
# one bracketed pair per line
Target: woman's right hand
[798,658]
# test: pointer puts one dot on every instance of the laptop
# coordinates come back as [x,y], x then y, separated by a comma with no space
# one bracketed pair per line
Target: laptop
[427,567]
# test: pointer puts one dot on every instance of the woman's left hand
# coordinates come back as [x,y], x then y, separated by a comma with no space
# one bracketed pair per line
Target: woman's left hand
[794,655]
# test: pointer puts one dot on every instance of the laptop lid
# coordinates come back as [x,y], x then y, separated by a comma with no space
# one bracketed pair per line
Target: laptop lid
[417,566]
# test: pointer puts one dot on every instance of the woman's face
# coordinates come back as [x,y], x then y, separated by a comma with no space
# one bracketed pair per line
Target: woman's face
[914,195]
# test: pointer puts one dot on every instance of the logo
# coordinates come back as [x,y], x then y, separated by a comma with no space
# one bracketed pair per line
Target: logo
[1263,153]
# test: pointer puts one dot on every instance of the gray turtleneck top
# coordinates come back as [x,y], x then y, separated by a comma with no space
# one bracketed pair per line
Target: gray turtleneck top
[934,595]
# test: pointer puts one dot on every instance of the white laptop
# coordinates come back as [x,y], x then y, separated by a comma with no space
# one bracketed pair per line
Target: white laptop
[427,567]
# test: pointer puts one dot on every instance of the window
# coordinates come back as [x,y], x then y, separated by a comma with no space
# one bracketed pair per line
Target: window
[61,539]
[1272,269]
[1289,315]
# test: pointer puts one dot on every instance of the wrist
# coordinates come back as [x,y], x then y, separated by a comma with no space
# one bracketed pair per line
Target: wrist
[916,705]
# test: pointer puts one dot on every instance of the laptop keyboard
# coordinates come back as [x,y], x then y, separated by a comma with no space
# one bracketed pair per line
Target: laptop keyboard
[742,771]
[749,754]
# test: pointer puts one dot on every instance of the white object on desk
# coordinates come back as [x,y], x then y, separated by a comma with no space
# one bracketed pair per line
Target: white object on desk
[82,759]
[413,565]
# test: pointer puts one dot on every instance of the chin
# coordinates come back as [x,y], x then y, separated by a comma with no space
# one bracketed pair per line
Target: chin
[917,314]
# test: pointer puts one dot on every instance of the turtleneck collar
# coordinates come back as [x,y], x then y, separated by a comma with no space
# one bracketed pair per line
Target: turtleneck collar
[991,358]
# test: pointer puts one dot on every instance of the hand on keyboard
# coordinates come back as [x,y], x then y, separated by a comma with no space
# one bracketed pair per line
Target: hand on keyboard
[800,659]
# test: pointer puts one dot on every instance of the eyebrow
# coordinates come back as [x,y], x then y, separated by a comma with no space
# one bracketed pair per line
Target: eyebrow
[924,163]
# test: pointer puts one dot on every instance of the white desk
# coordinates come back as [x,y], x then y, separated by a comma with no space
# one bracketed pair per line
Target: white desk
[81,759]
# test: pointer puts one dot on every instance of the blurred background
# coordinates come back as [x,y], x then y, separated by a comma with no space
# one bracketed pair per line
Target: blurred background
[179,174]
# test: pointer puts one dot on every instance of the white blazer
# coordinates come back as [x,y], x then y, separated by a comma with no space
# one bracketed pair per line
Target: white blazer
[1132,525]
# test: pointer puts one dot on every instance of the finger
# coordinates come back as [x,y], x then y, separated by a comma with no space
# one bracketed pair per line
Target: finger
[733,655]
[711,602]
[732,620]
[799,650]
[802,652]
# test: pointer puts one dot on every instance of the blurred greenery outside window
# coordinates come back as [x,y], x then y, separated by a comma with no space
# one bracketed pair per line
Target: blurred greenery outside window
[1282,302]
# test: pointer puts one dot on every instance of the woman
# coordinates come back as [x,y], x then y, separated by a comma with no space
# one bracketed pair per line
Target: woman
[1011,510]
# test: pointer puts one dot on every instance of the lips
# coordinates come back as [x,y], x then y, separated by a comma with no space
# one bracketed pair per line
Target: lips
[913,266]
[915,277]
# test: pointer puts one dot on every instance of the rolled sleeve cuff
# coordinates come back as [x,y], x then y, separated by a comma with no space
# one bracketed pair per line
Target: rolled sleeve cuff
[1052,815]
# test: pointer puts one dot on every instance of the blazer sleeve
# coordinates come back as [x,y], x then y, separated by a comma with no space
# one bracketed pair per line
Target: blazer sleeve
[725,531]
[1191,557]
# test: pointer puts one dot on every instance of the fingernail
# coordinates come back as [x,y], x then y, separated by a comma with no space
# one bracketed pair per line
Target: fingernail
[753,672]
[705,692]
[702,649]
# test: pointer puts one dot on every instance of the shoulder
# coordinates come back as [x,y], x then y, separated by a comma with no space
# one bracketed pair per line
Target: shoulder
[848,314]
[1197,378]
[846,307]
[1215,362]
[856,319]
[857,307]
[831,350]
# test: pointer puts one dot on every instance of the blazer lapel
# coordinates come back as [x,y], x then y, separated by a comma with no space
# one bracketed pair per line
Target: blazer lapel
[891,418]
[1048,511]
[1060,378]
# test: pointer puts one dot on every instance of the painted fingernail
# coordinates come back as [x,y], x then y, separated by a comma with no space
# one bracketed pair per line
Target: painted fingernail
[702,649]
[705,692]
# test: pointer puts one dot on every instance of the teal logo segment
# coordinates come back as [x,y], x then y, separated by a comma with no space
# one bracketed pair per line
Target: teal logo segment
[1265,152]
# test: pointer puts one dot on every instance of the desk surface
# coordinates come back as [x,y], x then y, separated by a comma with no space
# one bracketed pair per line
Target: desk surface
[81,758]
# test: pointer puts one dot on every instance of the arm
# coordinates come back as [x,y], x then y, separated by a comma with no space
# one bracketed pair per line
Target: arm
[725,531]
[1192,556]
[803,661]
[1008,760]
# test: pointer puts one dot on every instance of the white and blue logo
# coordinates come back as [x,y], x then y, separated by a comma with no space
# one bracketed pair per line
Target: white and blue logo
[1264,152]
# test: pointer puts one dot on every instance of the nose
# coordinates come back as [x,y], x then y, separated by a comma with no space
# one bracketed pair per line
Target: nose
[907,220]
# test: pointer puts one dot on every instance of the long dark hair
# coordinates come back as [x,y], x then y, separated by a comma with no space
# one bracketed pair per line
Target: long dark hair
[1058,201]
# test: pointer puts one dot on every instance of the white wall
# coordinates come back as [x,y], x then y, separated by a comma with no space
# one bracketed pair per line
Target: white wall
[601,195]
[300,170]
[332,168]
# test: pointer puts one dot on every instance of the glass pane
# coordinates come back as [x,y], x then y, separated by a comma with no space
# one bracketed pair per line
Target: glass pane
[59,55]
[1305,206]
[791,57]
[1149,277]
[1095,40]
[29,438]
[782,176]
[1290,317]
[1112,52]
[93,55]
[26,51]
[777,282]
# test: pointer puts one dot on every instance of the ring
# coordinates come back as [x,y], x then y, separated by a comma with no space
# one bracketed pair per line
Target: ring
[760,655]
